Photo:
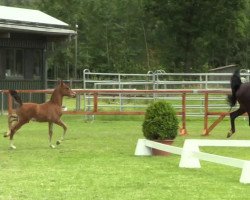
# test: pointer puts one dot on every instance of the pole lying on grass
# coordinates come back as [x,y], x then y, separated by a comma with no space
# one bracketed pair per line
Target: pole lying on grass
[191,155]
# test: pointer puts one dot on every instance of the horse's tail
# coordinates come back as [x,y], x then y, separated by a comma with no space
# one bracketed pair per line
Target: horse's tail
[17,98]
[235,85]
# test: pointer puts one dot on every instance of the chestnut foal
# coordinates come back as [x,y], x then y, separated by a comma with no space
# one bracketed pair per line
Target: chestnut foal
[50,112]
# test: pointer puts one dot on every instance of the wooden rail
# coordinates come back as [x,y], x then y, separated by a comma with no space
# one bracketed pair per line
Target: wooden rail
[182,113]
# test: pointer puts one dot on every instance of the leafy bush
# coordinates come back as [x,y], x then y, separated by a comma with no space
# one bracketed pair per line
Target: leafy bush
[160,121]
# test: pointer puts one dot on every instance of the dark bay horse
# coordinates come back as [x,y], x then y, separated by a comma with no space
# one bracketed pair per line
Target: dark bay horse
[50,112]
[240,93]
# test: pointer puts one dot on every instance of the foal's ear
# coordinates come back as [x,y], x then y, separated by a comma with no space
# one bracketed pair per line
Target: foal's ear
[60,82]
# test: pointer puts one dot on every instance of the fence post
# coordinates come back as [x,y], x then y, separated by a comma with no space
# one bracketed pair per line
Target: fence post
[205,131]
[95,102]
[10,110]
[183,114]
[2,109]
[30,97]
[71,83]
[78,102]
[206,79]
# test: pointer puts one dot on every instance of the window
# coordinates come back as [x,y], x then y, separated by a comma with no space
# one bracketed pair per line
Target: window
[14,63]
[38,63]
[9,62]
[19,63]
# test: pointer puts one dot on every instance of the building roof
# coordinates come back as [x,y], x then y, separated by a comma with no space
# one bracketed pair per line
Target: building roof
[28,20]
[223,68]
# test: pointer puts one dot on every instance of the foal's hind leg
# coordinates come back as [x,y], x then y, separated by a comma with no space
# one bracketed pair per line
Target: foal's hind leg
[11,119]
[13,130]
[50,135]
[233,116]
[61,123]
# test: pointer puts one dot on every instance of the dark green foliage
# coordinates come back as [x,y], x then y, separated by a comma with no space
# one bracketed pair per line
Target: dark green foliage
[139,36]
[160,121]
[198,32]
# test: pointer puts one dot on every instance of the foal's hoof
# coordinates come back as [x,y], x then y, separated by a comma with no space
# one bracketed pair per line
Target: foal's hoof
[52,146]
[12,147]
[58,142]
[6,134]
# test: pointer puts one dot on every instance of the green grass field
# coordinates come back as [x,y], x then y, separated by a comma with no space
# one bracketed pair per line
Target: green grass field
[96,161]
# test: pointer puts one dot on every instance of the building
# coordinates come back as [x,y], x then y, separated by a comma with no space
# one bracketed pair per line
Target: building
[224,69]
[24,36]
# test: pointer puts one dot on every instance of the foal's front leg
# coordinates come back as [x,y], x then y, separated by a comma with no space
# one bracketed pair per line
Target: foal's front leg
[61,123]
[50,135]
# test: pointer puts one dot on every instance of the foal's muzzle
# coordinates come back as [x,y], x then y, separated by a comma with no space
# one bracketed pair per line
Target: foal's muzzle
[72,94]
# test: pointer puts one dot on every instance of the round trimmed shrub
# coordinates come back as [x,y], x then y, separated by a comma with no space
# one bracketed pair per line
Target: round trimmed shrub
[160,121]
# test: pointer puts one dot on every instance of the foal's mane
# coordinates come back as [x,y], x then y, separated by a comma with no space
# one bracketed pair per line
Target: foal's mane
[56,97]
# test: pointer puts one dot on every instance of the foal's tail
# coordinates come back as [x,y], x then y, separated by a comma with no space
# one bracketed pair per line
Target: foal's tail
[17,98]
[235,85]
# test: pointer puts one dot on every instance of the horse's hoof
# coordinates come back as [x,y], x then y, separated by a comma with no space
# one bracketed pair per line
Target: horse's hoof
[58,142]
[12,147]
[6,134]
[52,146]
[229,134]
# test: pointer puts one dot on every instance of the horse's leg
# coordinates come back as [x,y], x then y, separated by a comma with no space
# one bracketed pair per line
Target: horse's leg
[12,118]
[233,116]
[14,128]
[61,123]
[50,135]
[13,131]
[248,113]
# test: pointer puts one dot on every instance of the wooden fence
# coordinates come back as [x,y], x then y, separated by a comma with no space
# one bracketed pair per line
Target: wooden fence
[183,93]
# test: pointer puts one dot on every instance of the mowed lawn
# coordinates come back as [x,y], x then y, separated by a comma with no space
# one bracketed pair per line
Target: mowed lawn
[96,161]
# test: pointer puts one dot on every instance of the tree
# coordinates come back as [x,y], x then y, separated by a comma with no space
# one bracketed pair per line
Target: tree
[198,32]
[225,32]
[139,36]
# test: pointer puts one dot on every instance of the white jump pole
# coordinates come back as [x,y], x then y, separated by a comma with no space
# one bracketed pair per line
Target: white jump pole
[191,155]
[144,148]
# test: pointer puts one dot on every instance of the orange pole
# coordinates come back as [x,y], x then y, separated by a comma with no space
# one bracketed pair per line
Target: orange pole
[95,102]
[183,129]
[205,131]
[216,122]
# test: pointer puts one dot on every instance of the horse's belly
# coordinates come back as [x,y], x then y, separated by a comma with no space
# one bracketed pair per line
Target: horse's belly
[39,120]
[49,116]
[39,112]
